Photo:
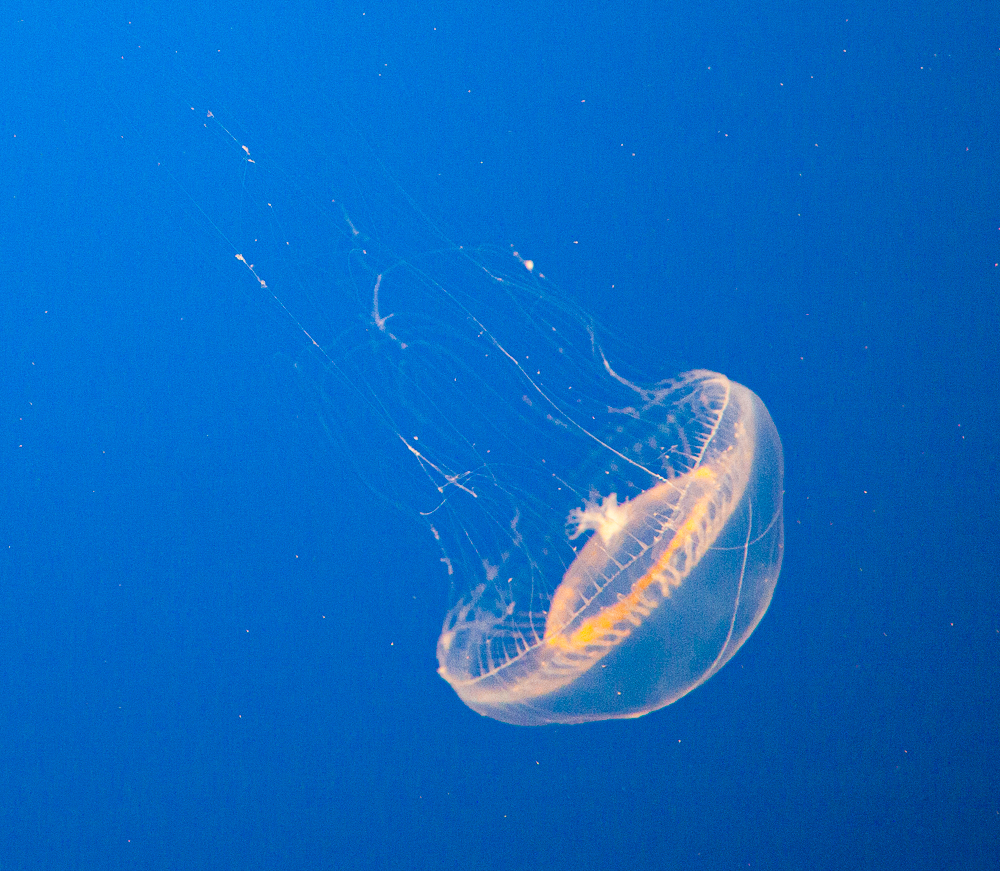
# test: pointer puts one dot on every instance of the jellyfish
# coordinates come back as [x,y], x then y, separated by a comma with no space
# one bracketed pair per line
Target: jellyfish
[667,588]
[610,537]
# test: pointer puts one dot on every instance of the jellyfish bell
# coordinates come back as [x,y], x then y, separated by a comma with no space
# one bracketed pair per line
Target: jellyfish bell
[667,588]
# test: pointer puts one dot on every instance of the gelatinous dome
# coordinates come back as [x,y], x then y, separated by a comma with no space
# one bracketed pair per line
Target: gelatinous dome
[668,586]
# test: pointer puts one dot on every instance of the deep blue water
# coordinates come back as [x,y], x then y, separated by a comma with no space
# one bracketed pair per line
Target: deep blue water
[218,644]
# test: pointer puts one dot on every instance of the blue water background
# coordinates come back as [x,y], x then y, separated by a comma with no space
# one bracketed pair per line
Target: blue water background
[218,647]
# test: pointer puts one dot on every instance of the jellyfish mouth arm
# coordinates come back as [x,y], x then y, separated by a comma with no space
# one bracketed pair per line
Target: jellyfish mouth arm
[606,517]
